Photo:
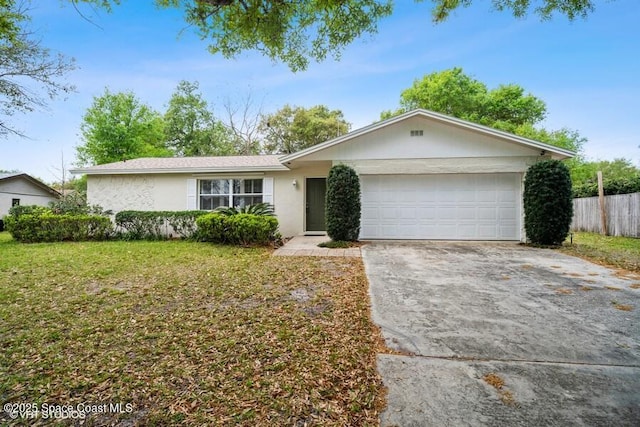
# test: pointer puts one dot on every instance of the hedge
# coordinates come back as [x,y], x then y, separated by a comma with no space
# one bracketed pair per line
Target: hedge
[239,229]
[49,227]
[154,224]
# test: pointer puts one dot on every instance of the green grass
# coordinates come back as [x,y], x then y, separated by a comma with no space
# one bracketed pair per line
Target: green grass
[622,252]
[187,333]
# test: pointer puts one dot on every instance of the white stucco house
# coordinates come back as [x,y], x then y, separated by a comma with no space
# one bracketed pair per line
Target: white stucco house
[22,189]
[423,175]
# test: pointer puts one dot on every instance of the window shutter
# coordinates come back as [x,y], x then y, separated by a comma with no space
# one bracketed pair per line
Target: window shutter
[191,194]
[267,190]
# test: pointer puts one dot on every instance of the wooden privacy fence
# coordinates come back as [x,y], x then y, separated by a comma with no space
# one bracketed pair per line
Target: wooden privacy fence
[622,212]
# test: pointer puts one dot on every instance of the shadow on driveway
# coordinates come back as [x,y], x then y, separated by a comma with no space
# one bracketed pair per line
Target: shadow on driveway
[505,335]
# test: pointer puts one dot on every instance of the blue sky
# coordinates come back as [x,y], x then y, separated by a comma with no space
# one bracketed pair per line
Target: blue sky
[587,71]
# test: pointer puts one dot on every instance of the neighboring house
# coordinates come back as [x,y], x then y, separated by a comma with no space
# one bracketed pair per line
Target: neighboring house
[22,189]
[424,175]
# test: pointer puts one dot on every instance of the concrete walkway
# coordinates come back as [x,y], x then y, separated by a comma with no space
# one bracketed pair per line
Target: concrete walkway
[308,246]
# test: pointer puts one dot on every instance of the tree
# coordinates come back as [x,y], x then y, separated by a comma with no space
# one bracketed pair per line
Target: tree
[457,94]
[620,176]
[343,204]
[29,73]
[548,202]
[611,169]
[242,122]
[292,129]
[295,32]
[191,128]
[520,8]
[449,92]
[290,31]
[507,107]
[118,127]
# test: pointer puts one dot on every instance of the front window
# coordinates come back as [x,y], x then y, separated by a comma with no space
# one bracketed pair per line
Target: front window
[215,193]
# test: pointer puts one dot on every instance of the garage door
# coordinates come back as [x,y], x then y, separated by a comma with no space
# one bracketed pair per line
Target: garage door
[448,206]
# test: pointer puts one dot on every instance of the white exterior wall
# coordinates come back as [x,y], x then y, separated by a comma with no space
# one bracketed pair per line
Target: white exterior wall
[28,193]
[439,141]
[169,193]
[290,201]
[138,192]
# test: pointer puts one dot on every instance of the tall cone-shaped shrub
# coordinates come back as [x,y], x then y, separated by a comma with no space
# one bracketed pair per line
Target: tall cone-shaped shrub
[548,203]
[343,204]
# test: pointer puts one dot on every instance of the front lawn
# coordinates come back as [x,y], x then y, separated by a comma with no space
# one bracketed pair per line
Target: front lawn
[187,334]
[622,252]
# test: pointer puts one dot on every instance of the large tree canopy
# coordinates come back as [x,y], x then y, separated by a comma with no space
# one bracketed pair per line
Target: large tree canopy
[118,127]
[291,129]
[507,107]
[296,31]
[543,8]
[29,73]
[190,126]
[457,94]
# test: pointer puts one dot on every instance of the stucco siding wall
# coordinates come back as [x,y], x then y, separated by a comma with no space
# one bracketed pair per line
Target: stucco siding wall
[138,192]
[169,192]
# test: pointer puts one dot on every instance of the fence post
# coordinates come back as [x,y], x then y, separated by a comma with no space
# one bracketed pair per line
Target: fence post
[603,212]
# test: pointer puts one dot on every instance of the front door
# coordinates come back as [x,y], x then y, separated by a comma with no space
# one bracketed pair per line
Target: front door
[316,193]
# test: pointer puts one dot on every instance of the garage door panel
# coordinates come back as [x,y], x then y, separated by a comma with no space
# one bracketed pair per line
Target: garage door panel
[486,196]
[467,213]
[459,207]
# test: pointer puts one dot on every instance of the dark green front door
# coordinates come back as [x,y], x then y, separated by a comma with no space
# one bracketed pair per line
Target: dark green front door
[316,193]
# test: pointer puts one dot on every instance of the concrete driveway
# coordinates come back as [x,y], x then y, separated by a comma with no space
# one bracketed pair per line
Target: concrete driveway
[504,335]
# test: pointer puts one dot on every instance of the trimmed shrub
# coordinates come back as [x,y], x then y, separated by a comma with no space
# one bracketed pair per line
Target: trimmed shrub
[548,203]
[343,204]
[212,227]
[49,227]
[138,225]
[239,229]
[184,222]
[154,225]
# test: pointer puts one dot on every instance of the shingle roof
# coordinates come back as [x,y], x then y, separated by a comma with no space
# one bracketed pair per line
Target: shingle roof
[187,164]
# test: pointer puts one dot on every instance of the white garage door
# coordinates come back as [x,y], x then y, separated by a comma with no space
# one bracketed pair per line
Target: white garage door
[448,206]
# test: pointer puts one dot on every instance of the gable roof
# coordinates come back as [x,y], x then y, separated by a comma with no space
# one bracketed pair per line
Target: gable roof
[148,165]
[556,152]
[32,180]
[231,164]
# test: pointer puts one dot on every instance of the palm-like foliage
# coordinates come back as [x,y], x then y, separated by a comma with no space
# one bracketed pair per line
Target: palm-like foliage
[262,209]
